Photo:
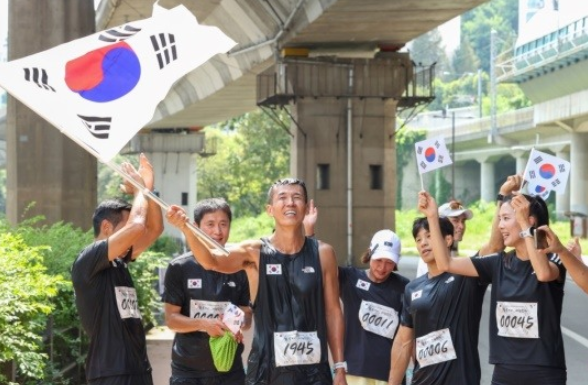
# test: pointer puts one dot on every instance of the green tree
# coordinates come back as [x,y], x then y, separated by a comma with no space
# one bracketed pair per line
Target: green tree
[26,292]
[252,152]
[498,15]
[464,59]
[428,49]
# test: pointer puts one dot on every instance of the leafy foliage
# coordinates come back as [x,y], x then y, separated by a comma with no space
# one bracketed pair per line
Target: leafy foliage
[26,293]
[253,151]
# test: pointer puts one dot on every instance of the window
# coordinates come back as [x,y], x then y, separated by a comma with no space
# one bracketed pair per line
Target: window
[184,199]
[376,179]
[322,177]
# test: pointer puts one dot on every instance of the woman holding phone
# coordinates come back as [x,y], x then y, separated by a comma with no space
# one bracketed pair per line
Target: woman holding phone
[526,344]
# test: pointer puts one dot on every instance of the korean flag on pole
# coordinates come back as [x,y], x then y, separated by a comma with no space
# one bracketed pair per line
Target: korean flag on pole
[432,154]
[102,89]
[546,172]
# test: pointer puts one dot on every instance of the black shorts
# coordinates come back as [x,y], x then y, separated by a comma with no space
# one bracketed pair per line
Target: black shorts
[137,379]
[528,374]
[233,378]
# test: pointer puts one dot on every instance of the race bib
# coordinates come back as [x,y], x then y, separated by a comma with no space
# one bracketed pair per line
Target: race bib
[517,319]
[207,309]
[379,319]
[126,300]
[297,348]
[233,317]
[434,348]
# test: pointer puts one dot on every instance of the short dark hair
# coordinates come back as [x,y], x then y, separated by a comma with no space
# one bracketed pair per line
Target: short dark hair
[537,208]
[111,210]
[422,223]
[211,205]
[285,182]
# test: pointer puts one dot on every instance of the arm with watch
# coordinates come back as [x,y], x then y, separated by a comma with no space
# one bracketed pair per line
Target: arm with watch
[545,270]
[496,243]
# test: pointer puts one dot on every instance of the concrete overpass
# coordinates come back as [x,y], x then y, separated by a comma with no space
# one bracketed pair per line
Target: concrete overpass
[335,63]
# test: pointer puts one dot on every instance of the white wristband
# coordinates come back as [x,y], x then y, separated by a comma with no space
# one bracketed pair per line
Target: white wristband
[341,365]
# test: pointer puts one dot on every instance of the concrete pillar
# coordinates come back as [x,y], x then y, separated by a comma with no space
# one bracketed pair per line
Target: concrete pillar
[43,165]
[487,190]
[578,181]
[174,182]
[521,158]
[321,141]
[562,201]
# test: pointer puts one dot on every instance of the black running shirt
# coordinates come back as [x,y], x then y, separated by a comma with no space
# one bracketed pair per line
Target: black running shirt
[107,304]
[524,313]
[290,336]
[444,312]
[372,315]
[194,289]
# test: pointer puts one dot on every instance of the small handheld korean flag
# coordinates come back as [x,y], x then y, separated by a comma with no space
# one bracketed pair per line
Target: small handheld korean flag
[102,89]
[432,154]
[545,172]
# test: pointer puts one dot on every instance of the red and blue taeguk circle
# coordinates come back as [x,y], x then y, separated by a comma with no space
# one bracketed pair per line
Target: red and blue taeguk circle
[539,189]
[430,154]
[105,74]
[547,171]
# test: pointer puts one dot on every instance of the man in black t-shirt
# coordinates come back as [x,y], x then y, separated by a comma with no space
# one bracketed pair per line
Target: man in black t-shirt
[195,301]
[105,294]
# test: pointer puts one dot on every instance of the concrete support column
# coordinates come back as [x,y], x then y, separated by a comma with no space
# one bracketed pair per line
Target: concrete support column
[562,201]
[43,165]
[578,181]
[521,158]
[487,190]
[319,157]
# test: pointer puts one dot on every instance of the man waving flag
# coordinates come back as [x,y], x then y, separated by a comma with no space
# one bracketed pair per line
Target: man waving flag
[102,89]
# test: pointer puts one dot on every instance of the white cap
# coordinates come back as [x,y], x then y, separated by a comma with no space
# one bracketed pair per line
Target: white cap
[454,209]
[385,245]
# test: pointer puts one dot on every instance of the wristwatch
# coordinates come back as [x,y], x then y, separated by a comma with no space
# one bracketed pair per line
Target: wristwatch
[529,233]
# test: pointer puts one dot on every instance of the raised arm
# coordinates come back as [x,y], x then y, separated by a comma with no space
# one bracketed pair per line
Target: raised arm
[333,313]
[402,349]
[212,259]
[154,221]
[120,241]
[545,271]
[462,266]
[496,242]
[574,264]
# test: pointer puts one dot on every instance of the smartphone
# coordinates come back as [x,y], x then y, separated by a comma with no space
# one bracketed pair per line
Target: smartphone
[540,239]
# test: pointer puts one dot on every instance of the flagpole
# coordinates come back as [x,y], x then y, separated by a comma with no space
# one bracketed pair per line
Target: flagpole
[197,231]
[525,171]
[422,183]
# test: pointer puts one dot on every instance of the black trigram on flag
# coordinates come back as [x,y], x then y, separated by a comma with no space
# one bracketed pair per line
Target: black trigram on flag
[561,167]
[98,127]
[419,150]
[532,174]
[39,77]
[437,144]
[118,34]
[538,159]
[164,46]
[440,159]
[423,165]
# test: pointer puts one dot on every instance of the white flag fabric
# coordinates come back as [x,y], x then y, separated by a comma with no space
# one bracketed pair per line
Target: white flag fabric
[432,154]
[100,90]
[546,172]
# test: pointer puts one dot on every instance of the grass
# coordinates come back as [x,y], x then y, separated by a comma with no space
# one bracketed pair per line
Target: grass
[477,231]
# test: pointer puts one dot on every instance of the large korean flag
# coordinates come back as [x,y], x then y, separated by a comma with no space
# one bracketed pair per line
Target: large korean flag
[431,154]
[546,172]
[102,89]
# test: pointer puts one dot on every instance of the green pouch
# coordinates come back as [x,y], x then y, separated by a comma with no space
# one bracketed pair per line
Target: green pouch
[223,351]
